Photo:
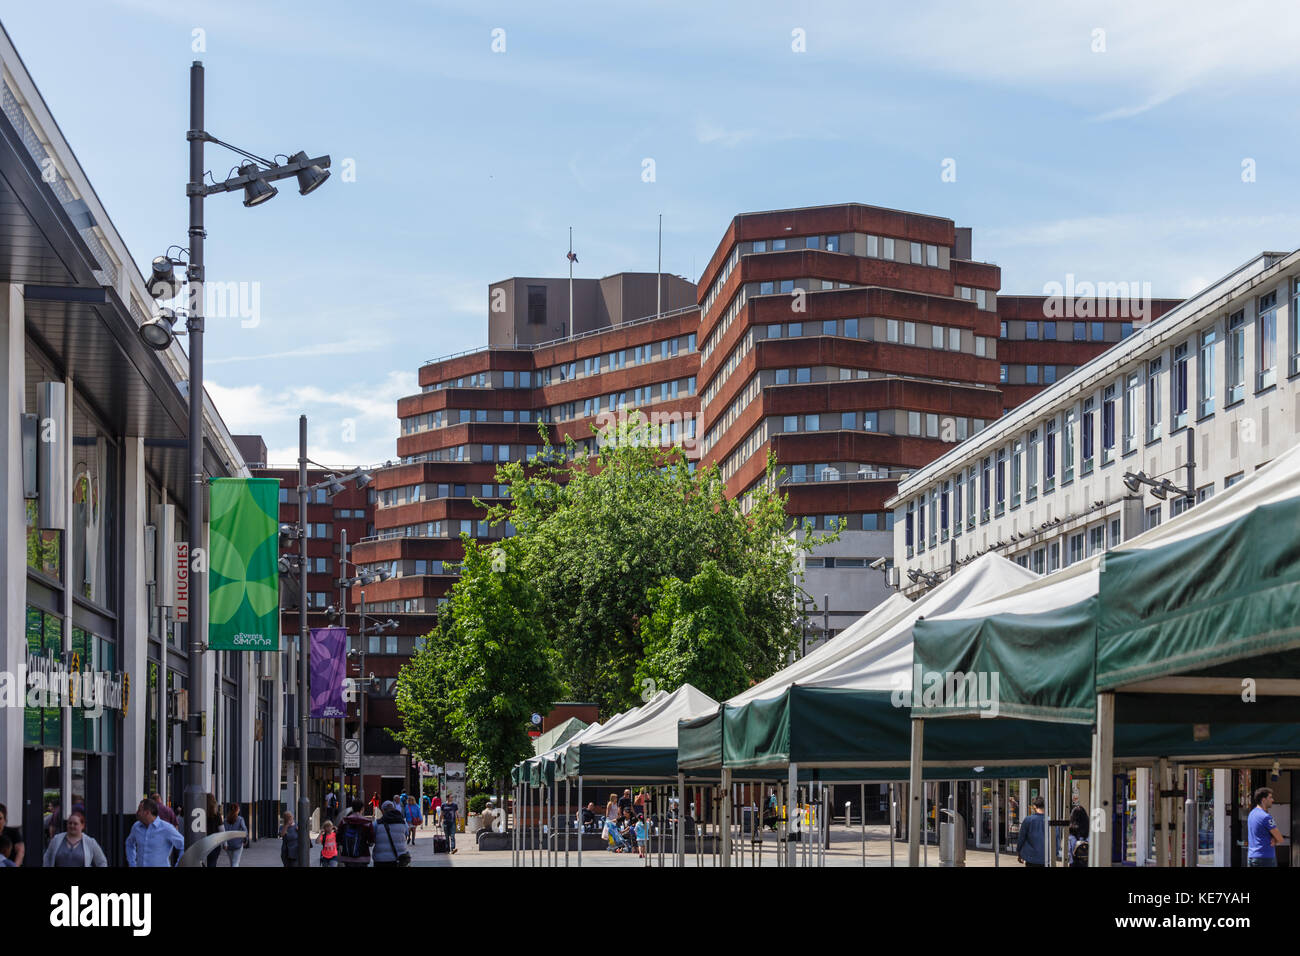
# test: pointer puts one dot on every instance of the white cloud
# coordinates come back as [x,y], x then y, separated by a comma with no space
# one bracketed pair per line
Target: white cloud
[711,133]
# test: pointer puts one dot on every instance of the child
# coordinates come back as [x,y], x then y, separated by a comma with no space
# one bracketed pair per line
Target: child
[640,836]
[329,843]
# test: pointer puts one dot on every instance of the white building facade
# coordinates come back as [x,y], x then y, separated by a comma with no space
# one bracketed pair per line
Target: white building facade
[1213,381]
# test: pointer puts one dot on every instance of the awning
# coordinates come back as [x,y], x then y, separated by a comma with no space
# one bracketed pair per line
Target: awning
[643,745]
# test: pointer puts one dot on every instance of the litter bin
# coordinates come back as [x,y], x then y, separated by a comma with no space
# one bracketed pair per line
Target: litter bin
[952,839]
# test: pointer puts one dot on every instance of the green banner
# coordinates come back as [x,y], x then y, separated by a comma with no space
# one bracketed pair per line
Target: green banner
[243,575]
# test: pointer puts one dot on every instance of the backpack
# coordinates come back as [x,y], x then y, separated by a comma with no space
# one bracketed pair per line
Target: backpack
[353,841]
[1080,855]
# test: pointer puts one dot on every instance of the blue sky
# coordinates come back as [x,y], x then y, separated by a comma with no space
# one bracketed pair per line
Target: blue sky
[1113,156]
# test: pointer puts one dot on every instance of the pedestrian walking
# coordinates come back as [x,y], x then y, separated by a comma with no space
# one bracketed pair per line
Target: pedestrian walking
[235,822]
[329,846]
[448,813]
[1262,831]
[74,847]
[288,841]
[1031,847]
[152,839]
[424,806]
[331,803]
[214,826]
[17,849]
[413,819]
[355,837]
[389,835]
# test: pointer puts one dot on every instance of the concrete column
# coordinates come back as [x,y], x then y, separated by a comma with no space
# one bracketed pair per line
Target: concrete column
[133,655]
[13,551]
[915,794]
[247,720]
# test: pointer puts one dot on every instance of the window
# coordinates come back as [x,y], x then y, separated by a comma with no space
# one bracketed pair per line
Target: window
[1098,332]
[802,375]
[1075,550]
[1108,424]
[943,510]
[1053,556]
[1031,467]
[981,299]
[909,333]
[1205,375]
[957,504]
[971,491]
[910,527]
[1236,375]
[920,525]
[1003,331]
[936,336]
[1049,374]
[812,423]
[1031,374]
[796,328]
[1178,387]
[851,328]
[832,243]
[1116,535]
[1086,437]
[790,424]
[954,339]
[932,256]
[931,425]
[891,330]
[1154,368]
[849,420]
[886,248]
[981,347]
[1049,331]
[1067,446]
[934,518]
[1017,454]
[1037,563]
[870,421]
[1031,330]
[1096,539]
[1130,411]
[1232,480]
[1080,331]
[1049,457]
[914,423]
[1266,341]
[783,376]
[916,253]
[986,490]
[1295,327]
[1002,374]
[1178,505]
[778,245]
[1152,518]
[537,305]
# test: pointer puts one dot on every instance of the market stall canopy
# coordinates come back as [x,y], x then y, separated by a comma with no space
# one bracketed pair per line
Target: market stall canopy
[1211,599]
[1036,641]
[643,745]
[558,735]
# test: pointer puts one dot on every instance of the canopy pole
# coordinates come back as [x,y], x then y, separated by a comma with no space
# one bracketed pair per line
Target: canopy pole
[862,813]
[681,829]
[997,832]
[1162,816]
[1103,782]
[1179,783]
[792,807]
[574,821]
[1049,850]
[725,829]
[580,803]
[916,812]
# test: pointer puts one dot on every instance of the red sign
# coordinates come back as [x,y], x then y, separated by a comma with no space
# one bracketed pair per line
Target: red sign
[182,581]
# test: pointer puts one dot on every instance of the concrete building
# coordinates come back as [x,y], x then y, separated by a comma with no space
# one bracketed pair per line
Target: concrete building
[92,496]
[1211,381]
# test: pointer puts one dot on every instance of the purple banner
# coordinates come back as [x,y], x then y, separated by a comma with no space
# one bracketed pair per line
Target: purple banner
[329,654]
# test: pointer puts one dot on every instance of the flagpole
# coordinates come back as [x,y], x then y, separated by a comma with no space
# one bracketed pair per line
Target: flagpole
[659,276]
[570,282]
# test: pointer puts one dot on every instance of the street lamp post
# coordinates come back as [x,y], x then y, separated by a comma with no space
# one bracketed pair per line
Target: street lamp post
[158,333]
[304,802]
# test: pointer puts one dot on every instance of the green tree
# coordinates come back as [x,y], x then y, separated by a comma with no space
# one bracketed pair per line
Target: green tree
[498,665]
[597,534]
[424,698]
[694,635]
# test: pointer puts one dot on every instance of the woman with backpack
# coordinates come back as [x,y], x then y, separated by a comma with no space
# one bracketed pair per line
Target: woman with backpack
[355,836]
[235,823]
[390,838]
[1078,837]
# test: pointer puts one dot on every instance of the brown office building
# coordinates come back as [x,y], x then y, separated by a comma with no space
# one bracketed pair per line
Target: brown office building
[855,342]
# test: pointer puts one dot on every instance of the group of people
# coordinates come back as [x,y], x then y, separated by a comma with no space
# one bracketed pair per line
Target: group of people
[625,823]
[362,837]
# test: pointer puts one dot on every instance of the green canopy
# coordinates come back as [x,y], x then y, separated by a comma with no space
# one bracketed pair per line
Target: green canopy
[558,735]
[1205,601]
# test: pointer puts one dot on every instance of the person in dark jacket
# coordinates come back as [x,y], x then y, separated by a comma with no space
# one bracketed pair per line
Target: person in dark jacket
[289,841]
[390,835]
[356,834]
[214,826]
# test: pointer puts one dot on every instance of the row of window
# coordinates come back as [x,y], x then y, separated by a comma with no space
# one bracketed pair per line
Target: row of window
[842,563]
[951,428]
[1032,374]
[621,359]
[738,405]
[869,521]
[632,398]
[431,491]
[1116,420]
[462,416]
[1046,331]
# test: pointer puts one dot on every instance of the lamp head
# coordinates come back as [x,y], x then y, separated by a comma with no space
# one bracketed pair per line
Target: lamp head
[256,191]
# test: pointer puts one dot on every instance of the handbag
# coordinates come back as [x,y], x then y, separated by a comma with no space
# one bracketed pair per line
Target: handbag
[405,858]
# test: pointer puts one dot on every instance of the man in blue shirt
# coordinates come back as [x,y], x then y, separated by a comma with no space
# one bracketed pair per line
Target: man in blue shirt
[151,840]
[1031,847]
[1262,831]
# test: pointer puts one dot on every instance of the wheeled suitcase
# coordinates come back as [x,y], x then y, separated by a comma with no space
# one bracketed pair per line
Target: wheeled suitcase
[439,843]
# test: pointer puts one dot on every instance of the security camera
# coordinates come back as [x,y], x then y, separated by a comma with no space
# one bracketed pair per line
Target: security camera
[877,564]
